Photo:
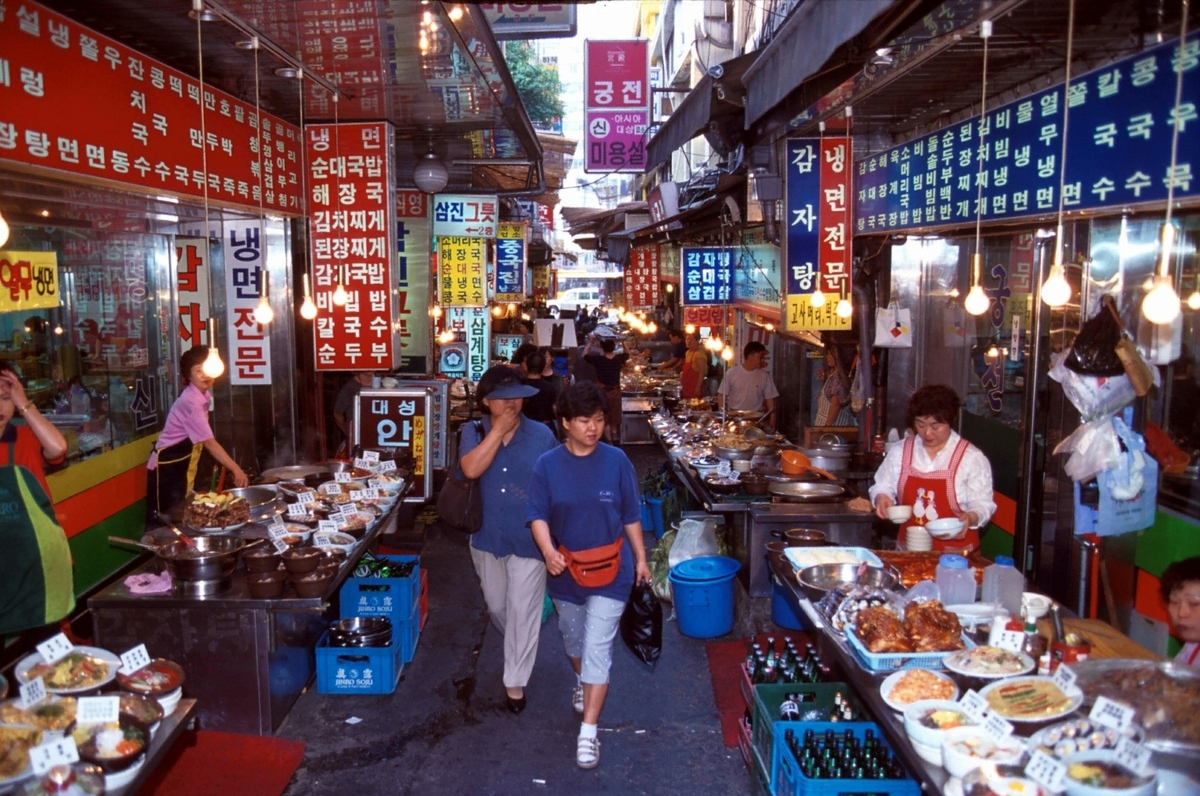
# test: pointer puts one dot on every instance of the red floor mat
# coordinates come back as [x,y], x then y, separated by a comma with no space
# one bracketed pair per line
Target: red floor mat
[204,763]
[724,661]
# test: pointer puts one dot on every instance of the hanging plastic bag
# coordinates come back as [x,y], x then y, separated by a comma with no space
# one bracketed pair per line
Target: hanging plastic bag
[858,390]
[1094,352]
[1125,481]
[641,624]
[1093,447]
[893,327]
[1095,397]
[695,538]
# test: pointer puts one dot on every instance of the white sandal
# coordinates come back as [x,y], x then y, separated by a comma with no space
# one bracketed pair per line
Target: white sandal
[587,752]
[577,699]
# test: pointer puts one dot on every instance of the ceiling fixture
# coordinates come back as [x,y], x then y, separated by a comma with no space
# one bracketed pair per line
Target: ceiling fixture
[977,301]
[289,72]
[430,175]
[340,296]
[1056,291]
[212,366]
[308,310]
[263,314]
[202,13]
[882,57]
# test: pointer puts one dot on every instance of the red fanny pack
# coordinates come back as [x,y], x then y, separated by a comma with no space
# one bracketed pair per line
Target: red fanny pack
[595,567]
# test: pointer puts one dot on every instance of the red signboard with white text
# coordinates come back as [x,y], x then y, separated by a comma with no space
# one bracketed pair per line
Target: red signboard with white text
[834,217]
[353,217]
[616,105]
[641,278]
[74,100]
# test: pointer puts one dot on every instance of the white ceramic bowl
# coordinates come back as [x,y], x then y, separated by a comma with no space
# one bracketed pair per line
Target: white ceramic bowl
[1076,788]
[931,736]
[170,701]
[917,539]
[946,528]
[899,514]
[959,762]
[1036,605]
[930,754]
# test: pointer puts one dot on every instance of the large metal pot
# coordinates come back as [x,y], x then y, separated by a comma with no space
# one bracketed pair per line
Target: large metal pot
[733,454]
[828,459]
[213,558]
[817,581]
[263,501]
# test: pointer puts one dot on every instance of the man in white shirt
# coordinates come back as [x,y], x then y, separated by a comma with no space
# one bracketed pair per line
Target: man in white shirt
[748,387]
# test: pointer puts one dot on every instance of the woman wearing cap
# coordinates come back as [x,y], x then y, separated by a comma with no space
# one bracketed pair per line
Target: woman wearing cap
[937,472]
[583,499]
[501,450]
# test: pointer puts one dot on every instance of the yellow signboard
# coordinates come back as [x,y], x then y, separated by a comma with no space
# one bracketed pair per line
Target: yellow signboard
[802,315]
[418,446]
[28,280]
[461,277]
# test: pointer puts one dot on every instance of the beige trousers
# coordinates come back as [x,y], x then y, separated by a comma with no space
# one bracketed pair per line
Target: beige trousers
[514,589]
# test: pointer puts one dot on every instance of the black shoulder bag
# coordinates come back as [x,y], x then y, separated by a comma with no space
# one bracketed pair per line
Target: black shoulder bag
[460,503]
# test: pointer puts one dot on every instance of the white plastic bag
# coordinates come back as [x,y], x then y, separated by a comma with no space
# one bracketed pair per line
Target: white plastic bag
[1093,448]
[696,538]
[1126,480]
[1095,397]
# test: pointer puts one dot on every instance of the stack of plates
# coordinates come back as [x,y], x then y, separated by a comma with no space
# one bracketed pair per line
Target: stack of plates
[362,631]
[917,539]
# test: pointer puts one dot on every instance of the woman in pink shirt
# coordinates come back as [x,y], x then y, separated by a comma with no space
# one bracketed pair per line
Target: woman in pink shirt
[176,455]
[1181,590]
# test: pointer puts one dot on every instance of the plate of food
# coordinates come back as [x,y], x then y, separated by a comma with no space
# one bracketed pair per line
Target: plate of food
[217,512]
[1163,693]
[53,714]
[901,689]
[81,670]
[15,743]
[1031,698]
[989,663]
[157,678]
[1081,735]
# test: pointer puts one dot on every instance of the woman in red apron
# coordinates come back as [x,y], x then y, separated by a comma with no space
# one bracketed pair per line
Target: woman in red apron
[937,472]
[693,369]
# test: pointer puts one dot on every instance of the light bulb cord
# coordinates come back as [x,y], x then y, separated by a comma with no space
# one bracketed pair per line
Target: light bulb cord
[983,127]
[1183,22]
[1062,166]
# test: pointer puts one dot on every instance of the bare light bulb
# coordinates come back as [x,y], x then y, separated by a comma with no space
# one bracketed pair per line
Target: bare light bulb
[844,308]
[652,327]
[497,311]
[818,298]
[669,288]
[456,13]
[3,231]
[340,296]
[727,354]
[1161,304]
[58,329]
[1056,290]
[1193,301]
[977,301]
[689,328]
[213,367]
[437,311]
[263,314]
[308,310]
[525,316]
[993,352]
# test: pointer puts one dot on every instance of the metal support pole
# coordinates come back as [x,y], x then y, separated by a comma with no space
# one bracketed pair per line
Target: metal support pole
[1027,540]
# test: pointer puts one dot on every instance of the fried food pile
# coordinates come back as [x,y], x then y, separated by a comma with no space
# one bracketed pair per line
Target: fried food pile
[927,627]
[216,510]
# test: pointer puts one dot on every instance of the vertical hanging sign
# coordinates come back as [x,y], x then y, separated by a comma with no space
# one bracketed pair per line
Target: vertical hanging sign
[510,261]
[616,105]
[247,341]
[474,325]
[462,281]
[818,186]
[192,283]
[351,193]
[833,217]
[641,278]
[412,280]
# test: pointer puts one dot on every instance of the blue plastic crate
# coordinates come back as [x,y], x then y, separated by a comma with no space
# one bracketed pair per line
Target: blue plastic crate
[879,662]
[788,780]
[408,632]
[358,670]
[395,598]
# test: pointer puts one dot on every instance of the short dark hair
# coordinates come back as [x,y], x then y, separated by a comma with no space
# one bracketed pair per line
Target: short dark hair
[675,333]
[583,399]
[5,365]
[1179,575]
[524,350]
[492,379]
[608,345]
[191,358]
[535,362]
[933,400]
[751,348]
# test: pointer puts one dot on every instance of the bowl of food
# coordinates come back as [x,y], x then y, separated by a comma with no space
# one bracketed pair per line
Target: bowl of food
[142,708]
[965,749]
[344,541]
[1000,779]
[312,584]
[926,720]
[1097,773]
[299,560]
[899,514]
[901,689]
[114,746]
[265,585]
[722,485]
[755,484]
[261,559]
[157,678]
[947,528]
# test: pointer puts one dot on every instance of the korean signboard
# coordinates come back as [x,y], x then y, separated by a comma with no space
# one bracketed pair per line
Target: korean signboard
[28,280]
[137,122]
[539,275]
[395,422]
[641,278]
[248,343]
[530,20]
[818,183]
[756,279]
[510,262]
[343,41]
[505,345]
[353,228]
[1118,150]
[701,317]
[461,277]
[192,271]
[469,216]
[474,325]
[616,105]
[438,420]
[707,275]
[412,280]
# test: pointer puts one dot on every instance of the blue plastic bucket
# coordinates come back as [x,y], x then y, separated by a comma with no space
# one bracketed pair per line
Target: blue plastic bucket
[783,613]
[647,517]
[656,516]
[703,592]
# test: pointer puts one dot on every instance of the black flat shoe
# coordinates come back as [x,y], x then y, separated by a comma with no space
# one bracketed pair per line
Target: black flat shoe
[515,705]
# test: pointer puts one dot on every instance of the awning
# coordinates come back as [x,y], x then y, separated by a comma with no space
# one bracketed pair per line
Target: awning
[801,48]
[713,97]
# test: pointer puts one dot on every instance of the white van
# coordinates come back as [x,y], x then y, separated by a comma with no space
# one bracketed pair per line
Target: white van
[571,300]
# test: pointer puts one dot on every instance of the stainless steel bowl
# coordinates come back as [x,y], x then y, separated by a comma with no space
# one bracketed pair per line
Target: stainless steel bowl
[733,454]
[263,501]
[828,459]
[817,581]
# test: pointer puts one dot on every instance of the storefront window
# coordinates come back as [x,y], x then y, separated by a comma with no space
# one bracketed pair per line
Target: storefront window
[96,365]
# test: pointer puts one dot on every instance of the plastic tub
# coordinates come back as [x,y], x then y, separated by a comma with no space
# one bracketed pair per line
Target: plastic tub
[782,612]
[703,592]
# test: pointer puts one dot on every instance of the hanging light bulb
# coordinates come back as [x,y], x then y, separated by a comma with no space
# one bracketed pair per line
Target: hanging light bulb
[512,308]
[689,328]
[977,301]
[727,354]
[669,288]
[436,312]
[525,316]
[497,311]
[58,329]
[1056,290]
[993,353]
[213,367]
[340,296]
[263,314]
[1193,301]
[818,298]
[308,310]
[1161,304]
[844,308]
[3,231]
[770,327]
[652,327]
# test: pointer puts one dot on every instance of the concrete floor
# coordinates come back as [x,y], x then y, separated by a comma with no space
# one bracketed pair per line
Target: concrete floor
[445,730]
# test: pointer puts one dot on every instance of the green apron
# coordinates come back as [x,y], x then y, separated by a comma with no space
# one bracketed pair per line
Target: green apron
[35,570]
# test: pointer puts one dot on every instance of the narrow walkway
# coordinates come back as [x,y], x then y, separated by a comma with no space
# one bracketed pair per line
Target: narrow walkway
[446,731]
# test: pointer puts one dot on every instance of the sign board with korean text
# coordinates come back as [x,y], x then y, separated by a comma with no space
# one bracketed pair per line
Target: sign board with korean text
[1118,150]
[641,278]
[505,345]
[511,258]
[530,20]
[412,280]
[616,105]
[28,281]
[706,275]
[193,270]
[438,424]
[247,342]
[710,317]
[756,277]
[818,182]
[462,281]
[468,215]
[353,232]
[80,102]
[800,314]
[474,326]
[539,276]
[395,422]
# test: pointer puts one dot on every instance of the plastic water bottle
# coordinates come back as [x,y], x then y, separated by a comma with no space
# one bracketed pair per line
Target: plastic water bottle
[955,580]
[1003,584]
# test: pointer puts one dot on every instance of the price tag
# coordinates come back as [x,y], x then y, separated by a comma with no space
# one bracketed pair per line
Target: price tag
[342,478]
[1011,640]
[724,469]
[975,706]
[1133,756]
[277,521]
[357,495]
[321,539]
[385,467]
[55,649]
[276,532]
[1046,771]
[1110,713]
[62,752]
[98,710]
[375,483]
[371,457]
[297,510]
[331,488]
[279,545]
[362,464]
[371,494]
[1065,678]
[997,727]
[327,526]
[306,497]
[134,659]
[32,693]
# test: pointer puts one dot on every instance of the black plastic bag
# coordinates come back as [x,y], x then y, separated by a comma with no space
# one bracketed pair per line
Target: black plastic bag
[1094,352]
[641,624]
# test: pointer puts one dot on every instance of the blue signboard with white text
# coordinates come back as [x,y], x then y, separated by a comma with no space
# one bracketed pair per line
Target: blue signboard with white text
[803,208]
[707,275]
[1118,153]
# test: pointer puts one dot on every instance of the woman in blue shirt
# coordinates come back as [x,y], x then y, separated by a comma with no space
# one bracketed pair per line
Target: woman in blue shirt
[511,571]
[584,495]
